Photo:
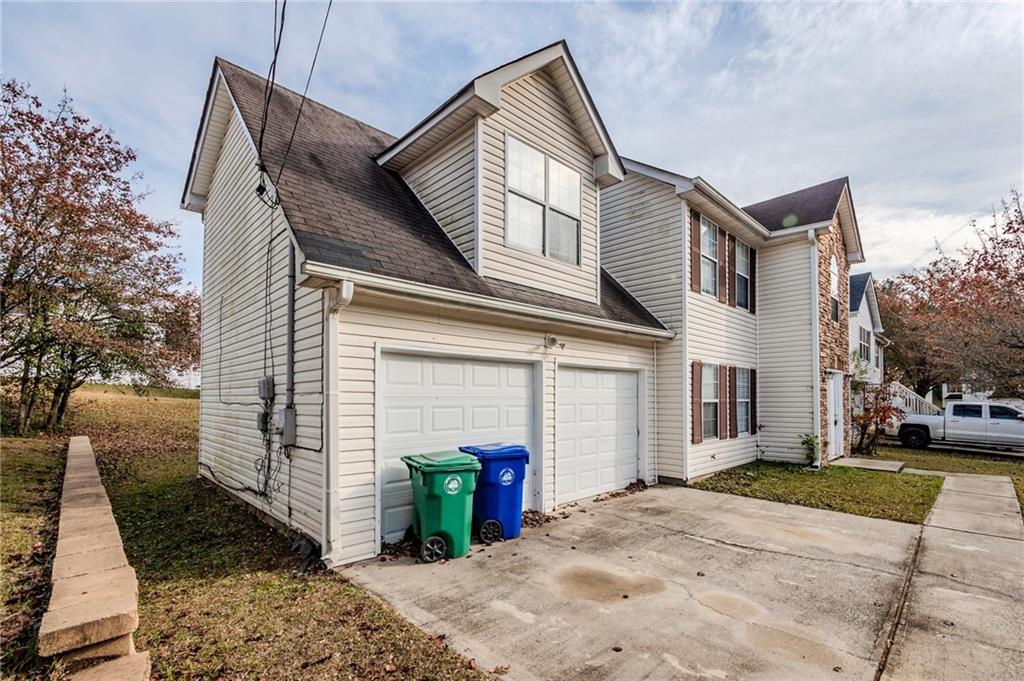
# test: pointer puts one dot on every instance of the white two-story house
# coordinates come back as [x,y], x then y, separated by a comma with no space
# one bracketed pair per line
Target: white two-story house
[867,345]
[368,297]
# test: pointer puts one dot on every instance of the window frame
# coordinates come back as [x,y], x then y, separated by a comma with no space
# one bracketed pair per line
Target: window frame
[741,428]
[1016,413]
[746,277]
[713,226]
[712,371]
[833,287]
[545,205]
[864,342]
[964,406]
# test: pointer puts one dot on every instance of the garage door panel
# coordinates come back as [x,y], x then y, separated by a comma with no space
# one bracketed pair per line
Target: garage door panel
[438,403]
[596,447]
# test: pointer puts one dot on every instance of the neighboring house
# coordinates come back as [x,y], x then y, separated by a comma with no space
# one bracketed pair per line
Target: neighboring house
[866,342]
[758,297]
[452,286]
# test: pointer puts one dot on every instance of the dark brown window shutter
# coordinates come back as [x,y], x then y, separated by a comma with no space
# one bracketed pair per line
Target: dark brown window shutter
[697,436]
[723,400]
[734,428]
[731,275]
[753,395]
[723,253]
[695,251]
[753,281]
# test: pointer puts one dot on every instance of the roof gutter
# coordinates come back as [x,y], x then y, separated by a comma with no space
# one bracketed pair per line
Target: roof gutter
[319,275]
[702,186]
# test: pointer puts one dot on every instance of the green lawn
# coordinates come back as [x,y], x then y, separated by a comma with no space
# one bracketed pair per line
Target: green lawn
[959,463]
[218,598]
[906,498]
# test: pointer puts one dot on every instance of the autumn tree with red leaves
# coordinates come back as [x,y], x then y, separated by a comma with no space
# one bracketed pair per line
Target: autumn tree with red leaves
[961,319]
[89,286]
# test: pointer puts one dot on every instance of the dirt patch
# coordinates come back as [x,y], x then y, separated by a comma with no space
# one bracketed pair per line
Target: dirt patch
[539,519]
[592,584]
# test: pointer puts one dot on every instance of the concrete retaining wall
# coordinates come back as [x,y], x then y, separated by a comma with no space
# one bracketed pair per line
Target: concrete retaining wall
[93,610]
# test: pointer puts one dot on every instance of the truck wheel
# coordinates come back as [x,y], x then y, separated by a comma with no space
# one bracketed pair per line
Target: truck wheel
[433,549]
[490,531]
[914,438]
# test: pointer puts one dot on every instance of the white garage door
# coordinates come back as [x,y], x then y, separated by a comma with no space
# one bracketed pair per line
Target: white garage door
[430,404]
[597,432]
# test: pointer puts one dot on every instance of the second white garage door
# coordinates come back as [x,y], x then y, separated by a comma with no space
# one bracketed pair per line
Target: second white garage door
[596,432]
[430,404]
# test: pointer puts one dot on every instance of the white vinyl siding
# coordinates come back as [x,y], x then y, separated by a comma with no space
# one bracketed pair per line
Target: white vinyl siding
[445,182]
[785,377]
[861,320]
[642,246]
[534,112]
[370,324]
[237,230]
[718,334]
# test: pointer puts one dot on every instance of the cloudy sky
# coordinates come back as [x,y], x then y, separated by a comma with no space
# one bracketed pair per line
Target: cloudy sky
[921,105]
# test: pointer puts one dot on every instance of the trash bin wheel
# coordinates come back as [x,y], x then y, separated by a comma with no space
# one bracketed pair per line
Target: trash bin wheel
[490,531]
[433,549]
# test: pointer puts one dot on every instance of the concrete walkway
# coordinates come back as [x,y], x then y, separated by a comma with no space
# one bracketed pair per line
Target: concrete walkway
[964,614]
[868,464]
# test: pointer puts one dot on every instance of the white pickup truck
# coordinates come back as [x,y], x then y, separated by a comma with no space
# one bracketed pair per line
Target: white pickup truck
[977,423]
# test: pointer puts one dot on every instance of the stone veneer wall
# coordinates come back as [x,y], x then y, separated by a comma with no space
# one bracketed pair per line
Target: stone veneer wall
[834,336]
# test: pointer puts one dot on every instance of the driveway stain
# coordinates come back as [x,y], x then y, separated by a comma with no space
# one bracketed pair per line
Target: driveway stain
[592,584]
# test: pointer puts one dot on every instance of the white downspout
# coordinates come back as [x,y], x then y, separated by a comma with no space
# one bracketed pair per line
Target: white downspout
[338,299]
[685,333]
[815,343]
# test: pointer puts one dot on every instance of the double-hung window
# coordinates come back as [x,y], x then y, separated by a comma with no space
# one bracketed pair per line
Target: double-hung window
[742,282]
[708,257]
[878,355]
[743,400]
[543,206]
[709,400]
[865,345]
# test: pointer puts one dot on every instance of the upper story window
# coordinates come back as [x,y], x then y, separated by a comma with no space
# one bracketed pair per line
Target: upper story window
[542,213]
[708,256]
[878,355]
[742,283]
[833,271]
[864,349]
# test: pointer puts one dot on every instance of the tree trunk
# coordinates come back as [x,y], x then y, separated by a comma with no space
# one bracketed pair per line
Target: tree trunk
[51,412]
[63,406]
[23,398]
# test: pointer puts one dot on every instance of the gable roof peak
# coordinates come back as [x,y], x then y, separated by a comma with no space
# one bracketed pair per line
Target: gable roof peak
[482,96]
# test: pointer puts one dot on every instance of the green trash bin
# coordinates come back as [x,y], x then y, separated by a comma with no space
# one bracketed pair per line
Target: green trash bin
[442,497]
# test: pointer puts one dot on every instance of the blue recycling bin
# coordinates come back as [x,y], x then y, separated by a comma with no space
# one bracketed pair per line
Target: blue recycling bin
[498,500]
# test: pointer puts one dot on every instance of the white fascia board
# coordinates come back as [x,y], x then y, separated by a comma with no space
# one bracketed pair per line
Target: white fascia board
[800,230]
[705,188]
[192,200]
[681,183]
[318,272]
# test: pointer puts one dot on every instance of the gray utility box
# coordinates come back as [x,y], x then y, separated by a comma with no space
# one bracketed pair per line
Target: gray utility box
[284,424]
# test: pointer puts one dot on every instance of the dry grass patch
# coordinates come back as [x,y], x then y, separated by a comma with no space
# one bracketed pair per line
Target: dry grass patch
[906,498]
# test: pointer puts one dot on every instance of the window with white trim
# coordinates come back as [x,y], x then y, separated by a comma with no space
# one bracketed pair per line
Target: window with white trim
[709,400]
[864,349]
[743,400]
[833,272]
[542,211]
[878,355]
[708,256]
[742,282]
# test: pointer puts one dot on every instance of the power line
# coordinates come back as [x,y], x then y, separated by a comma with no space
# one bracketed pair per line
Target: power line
[268,87]
[302,103]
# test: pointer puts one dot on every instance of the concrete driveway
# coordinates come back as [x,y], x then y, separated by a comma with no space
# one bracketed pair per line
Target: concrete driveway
[666,584]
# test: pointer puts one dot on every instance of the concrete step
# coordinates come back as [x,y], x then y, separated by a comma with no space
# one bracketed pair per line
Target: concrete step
[128,668]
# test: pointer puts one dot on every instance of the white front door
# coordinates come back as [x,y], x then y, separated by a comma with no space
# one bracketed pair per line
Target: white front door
[430,404]
[596,432]
[834,400]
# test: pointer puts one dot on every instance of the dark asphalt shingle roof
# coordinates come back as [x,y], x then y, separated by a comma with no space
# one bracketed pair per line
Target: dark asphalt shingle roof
[802,207]
[348,211]
[858,285]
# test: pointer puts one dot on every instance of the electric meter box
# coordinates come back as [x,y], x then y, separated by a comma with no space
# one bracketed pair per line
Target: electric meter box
[284,424]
